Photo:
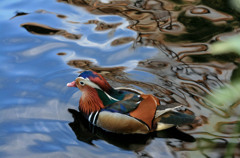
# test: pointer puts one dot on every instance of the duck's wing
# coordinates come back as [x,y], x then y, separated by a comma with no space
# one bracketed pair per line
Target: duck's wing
[128,104]
[129,100]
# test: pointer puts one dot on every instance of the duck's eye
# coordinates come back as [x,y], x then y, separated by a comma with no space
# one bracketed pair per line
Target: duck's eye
[81,83]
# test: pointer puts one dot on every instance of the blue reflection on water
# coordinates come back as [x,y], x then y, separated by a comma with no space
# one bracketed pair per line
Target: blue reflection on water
[111,19]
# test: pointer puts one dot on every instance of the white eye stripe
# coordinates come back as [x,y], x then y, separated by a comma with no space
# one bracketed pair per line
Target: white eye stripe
[88,82]
[84,78]
[81,78]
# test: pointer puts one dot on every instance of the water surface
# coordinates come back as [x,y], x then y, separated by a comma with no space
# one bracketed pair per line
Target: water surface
[158,47]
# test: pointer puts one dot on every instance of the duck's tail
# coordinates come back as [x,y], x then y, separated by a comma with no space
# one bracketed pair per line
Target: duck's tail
[171,117]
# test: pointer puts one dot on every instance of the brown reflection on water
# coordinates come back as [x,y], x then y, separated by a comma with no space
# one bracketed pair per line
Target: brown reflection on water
[61,53]
[41,11]
[40,29]
[101,26]
[185,50]
[178,78]
[144,16]
[228,127]
[121,41]
[209,13]
[48,12]
[88,65]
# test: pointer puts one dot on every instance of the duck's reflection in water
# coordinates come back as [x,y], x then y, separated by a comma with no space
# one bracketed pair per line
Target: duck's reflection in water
[88,133]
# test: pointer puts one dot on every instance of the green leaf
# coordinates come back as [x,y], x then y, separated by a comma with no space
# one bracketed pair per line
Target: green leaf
[231,45]
[226,95]
[235,4]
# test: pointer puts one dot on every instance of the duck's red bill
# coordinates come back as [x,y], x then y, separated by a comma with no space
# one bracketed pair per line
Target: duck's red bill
[72,84]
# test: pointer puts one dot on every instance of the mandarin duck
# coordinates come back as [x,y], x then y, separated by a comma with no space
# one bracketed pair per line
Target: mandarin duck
[123,110]
[88,133]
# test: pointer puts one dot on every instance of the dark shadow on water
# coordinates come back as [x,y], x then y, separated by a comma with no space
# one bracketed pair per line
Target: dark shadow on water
[87,133]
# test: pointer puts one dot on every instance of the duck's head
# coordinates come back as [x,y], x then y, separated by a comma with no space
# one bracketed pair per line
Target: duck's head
[90,79]
[94,91]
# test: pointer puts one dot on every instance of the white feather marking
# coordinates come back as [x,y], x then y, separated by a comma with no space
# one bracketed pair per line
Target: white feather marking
[110,97]
[161,112]
[81,78]
[162,126]
[129,89]
[156,103]
[95,117]
[138,102]
[90,83]
[89,117]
